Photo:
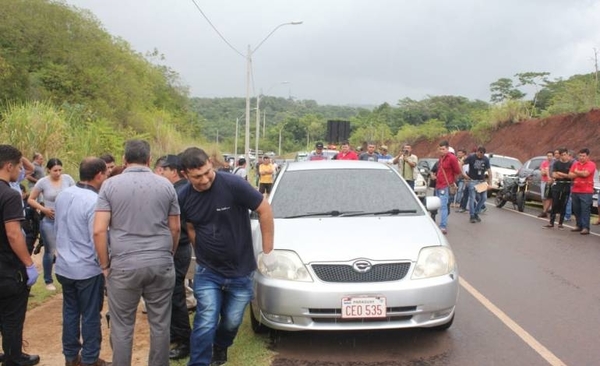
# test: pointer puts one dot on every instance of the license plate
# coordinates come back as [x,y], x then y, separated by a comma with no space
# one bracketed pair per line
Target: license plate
[363,307]
[595,203]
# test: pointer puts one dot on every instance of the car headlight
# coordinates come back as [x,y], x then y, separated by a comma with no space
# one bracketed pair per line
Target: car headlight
[433,262]
[284,265]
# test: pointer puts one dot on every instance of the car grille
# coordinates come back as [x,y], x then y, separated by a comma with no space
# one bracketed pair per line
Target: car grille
[345,273]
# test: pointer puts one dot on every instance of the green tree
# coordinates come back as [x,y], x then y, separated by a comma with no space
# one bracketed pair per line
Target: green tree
[536,79]
[503,89]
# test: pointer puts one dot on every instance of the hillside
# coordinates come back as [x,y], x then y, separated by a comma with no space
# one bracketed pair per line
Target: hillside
[530,138]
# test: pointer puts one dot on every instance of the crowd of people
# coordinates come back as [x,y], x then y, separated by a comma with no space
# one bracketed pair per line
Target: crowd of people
[129,231]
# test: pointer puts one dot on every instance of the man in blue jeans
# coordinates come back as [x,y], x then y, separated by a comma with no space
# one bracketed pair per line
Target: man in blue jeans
[77,268]
[479,165]
[216,209]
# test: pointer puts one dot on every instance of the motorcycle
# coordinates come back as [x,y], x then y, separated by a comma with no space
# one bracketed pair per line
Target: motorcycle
[513,188]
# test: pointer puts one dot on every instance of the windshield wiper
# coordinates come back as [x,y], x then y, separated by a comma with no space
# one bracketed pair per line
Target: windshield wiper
[333,213]
[394,211]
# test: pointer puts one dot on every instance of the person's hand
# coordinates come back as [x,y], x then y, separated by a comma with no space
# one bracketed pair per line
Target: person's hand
[32,274]
[270,260]
[49,213]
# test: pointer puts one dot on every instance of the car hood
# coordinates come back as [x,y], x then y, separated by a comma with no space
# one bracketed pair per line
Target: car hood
[348,238]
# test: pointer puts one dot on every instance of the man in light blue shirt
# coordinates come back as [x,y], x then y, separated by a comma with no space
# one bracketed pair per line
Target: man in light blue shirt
[77,267]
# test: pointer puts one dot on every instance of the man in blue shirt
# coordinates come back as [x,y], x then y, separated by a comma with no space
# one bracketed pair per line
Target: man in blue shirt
[216,208]
[77,268]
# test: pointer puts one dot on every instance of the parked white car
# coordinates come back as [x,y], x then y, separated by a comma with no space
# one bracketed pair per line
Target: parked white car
[502,166]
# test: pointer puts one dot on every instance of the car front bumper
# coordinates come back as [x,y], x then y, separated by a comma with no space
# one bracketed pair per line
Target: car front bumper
[296,306]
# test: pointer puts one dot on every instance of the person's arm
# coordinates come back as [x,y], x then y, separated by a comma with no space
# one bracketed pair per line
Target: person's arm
[175,227]
[101,223]
[16,239]
[29,168]
[32,202]
[267,225]
[191,233]
[412,161]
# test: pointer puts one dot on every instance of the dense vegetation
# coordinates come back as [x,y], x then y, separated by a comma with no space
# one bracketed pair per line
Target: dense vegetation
[70,89]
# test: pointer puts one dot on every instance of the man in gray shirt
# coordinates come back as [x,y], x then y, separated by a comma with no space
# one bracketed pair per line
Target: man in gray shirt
[142,212]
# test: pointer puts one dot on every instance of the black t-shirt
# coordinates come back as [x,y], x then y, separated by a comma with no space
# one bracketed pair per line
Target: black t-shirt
[222,224]
[477,166]
[561,167]
[11,209]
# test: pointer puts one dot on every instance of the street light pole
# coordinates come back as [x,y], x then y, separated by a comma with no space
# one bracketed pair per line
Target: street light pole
[257,137]
[249,54]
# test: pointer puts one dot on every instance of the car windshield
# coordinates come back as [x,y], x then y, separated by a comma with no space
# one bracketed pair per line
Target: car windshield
[506,163]
[342,193]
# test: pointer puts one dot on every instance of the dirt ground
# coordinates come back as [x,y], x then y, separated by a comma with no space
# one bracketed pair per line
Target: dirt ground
[530,138]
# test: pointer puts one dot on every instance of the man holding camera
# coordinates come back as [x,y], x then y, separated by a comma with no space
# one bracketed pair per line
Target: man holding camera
[407,165]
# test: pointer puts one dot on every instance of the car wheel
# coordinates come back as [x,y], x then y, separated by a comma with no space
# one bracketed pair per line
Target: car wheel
[521,201]
[257,326]
[443,327]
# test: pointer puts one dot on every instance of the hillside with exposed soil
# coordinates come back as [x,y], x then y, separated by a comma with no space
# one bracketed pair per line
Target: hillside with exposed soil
[529,138]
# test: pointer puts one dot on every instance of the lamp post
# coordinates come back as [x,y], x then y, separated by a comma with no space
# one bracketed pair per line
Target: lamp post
[258,114]
[249,54]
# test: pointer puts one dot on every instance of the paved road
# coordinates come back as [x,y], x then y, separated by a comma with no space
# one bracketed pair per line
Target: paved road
[529,296]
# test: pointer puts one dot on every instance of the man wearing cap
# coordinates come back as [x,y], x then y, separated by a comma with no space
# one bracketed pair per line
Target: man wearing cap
[318,153]
[266,171]
[180,323]
[384,156]
[407,165]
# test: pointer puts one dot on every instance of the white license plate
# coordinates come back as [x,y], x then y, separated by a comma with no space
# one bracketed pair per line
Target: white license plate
[363,307]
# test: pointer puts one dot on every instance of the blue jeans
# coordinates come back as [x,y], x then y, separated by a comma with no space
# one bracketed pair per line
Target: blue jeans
[48,234]
[582,203]
[444,196]
[569,208]
[82,304]
[476,200]
[219,313]
[461,191]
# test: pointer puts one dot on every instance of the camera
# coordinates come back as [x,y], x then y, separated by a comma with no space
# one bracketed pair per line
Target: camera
[405,152]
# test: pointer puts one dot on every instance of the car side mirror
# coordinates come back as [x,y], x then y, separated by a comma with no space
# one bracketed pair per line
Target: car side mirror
[432,203]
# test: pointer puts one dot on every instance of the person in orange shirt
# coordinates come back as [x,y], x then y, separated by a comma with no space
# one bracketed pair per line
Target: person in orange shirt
[266,171]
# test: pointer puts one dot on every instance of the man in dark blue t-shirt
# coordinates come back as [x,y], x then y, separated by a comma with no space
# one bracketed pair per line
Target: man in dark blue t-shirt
[479,165]
[216,209]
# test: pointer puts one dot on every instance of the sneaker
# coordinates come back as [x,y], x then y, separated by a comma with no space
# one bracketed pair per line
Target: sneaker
[462,210]
[444,230]
[576,229]
[543,215]
[549,226]
[219,356]
[568,220]
[477,218]
[483,210]
[585,232]
[50,287]
[473,220]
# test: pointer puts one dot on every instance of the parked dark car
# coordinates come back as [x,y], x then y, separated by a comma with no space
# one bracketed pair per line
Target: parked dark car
[425,165]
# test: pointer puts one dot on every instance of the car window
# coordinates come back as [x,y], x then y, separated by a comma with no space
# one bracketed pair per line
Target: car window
[535,164]
[505,162]
[344,190]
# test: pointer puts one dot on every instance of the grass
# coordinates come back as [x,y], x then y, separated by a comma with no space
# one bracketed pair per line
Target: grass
[248,348]
[39,292]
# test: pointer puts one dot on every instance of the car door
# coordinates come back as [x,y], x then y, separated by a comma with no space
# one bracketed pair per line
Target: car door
[532,167]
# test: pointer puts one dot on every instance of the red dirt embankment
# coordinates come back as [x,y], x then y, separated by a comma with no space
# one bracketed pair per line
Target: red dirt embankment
[529,138]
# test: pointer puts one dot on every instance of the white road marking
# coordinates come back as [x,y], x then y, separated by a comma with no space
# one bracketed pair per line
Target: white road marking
[512,325]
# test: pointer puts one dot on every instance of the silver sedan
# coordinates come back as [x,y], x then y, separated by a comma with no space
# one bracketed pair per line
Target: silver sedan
[354,249]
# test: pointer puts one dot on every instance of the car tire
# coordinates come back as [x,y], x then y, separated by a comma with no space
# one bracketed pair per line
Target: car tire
[521,201]
[443,327]
[256,325]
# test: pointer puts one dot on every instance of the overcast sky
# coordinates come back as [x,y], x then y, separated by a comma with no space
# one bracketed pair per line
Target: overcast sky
[358,51]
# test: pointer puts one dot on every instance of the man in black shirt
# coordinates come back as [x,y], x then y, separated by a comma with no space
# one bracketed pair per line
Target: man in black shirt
[478,164]
[561,188]
[17,270]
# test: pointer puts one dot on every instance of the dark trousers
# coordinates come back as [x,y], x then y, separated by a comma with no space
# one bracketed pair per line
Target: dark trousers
[12,318]
[180,321]
[411,183]
[82,304]
[560,195]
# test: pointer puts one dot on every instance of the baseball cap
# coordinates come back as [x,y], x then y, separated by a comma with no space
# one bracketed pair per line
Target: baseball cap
[319,145]
[171,161]
[383,147]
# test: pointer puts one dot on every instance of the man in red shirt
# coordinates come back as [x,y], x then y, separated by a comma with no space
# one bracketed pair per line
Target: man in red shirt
[448,169]
[346,153]
[582,172]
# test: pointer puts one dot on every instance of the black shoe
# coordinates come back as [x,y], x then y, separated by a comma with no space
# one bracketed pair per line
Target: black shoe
[219,356]
[1,357]
[477,218]
[24,360]
[472,220]
[179,352]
